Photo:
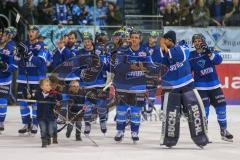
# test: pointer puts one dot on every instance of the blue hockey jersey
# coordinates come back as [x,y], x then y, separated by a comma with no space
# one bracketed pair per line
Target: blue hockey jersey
[126,78]
[99,71]
[178,70]
[62,69]
[7,56]
[74,49]
[35,67]
[203,67]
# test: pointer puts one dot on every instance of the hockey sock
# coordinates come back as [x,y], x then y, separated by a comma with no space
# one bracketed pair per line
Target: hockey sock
[221,116]
[207,111]
[135,118]
[25,112]
[3,109]
[34,114]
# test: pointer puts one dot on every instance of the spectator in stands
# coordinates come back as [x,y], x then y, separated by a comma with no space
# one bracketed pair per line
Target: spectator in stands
[170,16]
[232,17]
[201,15]
[81,13]
[29,12]
[185,16]
[1,7]
[217,12]
[9,4]
[45,12]
[162,4]
[113,14]
[70,4]
[61,13]
[101,13]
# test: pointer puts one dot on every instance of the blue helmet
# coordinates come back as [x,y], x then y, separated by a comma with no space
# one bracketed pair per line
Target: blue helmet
[198,36]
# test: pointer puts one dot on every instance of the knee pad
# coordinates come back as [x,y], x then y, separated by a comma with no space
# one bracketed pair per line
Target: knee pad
[122,113]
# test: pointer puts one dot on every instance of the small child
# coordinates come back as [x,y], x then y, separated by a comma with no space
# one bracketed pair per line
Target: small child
[76,109]
[45,111]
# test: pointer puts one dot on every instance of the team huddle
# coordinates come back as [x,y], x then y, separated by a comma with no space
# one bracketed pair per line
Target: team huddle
[91,78]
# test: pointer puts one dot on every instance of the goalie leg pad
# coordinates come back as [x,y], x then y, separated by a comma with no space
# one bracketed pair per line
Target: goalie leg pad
[171,119]
[196,117]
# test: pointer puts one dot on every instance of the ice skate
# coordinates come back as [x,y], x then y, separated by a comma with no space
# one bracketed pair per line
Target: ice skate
[34,129]
[103,127]
[135,137]
[119,136]
[25,130]
[87,129]
[1,127]
[226,136]
[78,137]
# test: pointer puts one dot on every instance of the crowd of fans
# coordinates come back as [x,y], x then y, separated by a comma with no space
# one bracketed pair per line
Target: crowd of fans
[200,13]
[77,12]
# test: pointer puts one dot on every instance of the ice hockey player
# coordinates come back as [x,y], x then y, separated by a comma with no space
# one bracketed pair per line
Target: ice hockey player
[31,57]
[7,67]
[129,80]
[178,90]
[72,43]
[153,48]
[60,55]
[203,61]
[95,85]
[46,118]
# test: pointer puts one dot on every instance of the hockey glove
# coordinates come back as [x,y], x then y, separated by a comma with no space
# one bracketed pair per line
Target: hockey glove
[205,48]
[22,52]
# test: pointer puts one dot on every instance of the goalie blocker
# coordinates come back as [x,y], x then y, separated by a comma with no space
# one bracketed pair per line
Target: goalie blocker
[189,98]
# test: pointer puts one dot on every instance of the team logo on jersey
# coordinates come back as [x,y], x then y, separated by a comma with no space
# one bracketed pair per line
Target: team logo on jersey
[6,52]
[201,63]
[98,52]
[151,51]
[142,54]
[37,47]
[134,74]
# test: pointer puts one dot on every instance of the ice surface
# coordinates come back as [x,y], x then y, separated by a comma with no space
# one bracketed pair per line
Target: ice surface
[14,147]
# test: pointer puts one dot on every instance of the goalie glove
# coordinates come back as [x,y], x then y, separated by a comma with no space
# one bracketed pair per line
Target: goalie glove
[109,80]
[23,52]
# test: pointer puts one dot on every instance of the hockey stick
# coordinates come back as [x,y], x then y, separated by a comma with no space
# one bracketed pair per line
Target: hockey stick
[79,130]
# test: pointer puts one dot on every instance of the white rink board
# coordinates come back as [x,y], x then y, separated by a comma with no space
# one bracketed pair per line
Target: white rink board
[13,147]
